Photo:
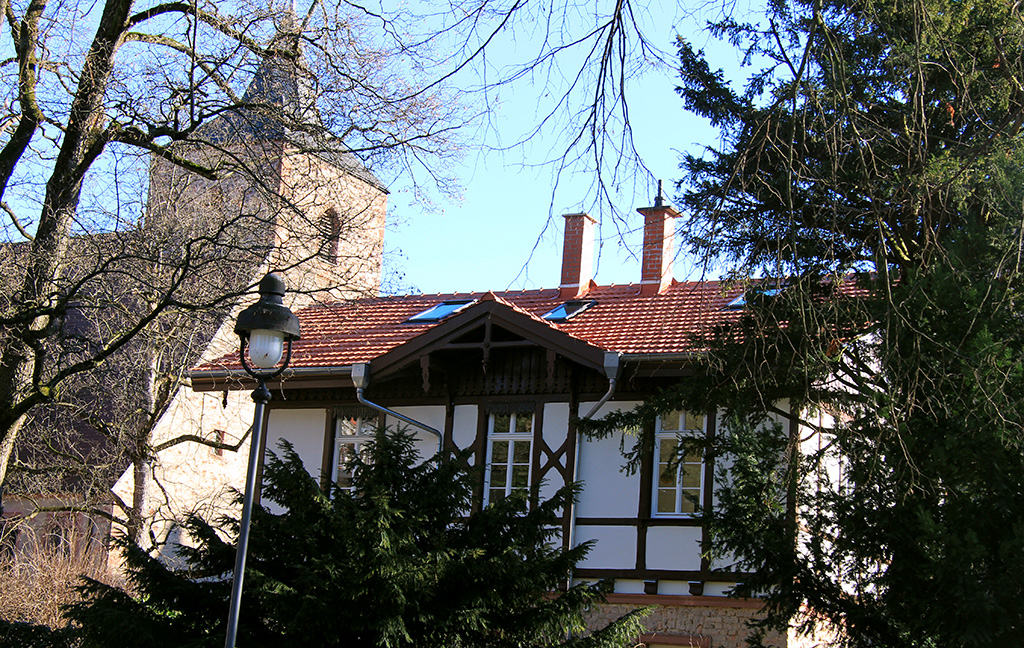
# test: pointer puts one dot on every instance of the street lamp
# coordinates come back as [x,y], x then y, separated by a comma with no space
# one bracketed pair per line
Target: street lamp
[264,328]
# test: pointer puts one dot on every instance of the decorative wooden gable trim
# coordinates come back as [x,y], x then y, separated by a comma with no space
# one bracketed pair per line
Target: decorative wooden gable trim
[477,328]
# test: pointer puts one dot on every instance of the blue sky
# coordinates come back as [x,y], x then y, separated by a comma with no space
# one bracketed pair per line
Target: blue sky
[506,231]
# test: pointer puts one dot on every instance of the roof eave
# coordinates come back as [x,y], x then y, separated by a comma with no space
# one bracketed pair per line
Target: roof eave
[204,380]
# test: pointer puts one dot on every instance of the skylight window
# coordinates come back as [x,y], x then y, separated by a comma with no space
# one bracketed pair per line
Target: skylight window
[440,311]
[568,310]
[750,294]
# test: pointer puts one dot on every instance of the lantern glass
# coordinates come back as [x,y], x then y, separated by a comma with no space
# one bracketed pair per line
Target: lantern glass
[266,348]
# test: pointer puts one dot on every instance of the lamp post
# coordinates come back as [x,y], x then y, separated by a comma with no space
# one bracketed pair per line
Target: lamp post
[264,328]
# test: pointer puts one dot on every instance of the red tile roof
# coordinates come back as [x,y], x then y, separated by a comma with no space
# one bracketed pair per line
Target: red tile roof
[622,320]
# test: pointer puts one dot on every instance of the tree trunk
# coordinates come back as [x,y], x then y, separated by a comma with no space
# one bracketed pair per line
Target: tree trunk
[22,382]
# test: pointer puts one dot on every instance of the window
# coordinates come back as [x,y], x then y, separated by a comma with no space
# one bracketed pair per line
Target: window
[440,311]
[679,476]
[752,294]
[58,535]
[568,310]
[330,236]
[509,444]
[351,435]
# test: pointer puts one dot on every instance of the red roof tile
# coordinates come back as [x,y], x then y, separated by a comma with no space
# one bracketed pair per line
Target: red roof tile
[622,320]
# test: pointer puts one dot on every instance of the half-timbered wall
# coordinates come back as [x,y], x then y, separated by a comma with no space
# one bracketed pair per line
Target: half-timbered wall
[614,510]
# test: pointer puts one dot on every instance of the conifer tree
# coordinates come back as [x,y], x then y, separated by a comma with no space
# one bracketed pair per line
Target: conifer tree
[866,189]
[398,560]
[867,193]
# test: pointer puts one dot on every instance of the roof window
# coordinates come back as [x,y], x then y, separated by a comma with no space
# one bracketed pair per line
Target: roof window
[751,294]
[438,312]
[568,310]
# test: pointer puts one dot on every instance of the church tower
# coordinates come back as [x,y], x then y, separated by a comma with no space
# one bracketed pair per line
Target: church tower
[289,197]
[285,196]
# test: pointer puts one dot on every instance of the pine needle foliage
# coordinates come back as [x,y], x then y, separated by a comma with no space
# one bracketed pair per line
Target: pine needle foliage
[867,191]
[396,561]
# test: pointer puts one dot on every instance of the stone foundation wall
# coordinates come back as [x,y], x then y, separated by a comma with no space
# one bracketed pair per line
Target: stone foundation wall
[698,621]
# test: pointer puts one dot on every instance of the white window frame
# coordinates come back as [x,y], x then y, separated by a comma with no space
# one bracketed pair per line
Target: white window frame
[350,432]
[674,427]
[513,437]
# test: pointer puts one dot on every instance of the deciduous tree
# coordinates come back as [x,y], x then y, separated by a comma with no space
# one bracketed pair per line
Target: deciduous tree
[96,92]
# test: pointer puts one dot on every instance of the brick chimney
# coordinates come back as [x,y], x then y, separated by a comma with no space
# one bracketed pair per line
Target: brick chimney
[659,232]
[577,256]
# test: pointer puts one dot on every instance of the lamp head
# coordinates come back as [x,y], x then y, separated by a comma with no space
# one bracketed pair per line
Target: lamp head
[267,324]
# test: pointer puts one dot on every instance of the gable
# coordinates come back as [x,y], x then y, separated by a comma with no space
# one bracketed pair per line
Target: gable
[491,335]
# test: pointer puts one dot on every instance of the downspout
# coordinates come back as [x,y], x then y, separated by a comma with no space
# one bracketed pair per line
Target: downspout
[361,378]
[612,367]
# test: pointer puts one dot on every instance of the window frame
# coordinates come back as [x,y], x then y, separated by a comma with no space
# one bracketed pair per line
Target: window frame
[685,494]
[365,429]
[568,310]
[442,310]
[512,437]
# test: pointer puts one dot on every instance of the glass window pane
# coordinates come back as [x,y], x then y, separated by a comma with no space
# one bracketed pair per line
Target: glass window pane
[498,475]
[442,310]
[345,453]
[667,475]
[520,476]
[691,477]
[677,477]
[499,451]
[672,420]
[688,505]
[502,423]
[694,421]
[348,427]
[524,423]
[521,452]
[496,495]
[667,448]
[666,500]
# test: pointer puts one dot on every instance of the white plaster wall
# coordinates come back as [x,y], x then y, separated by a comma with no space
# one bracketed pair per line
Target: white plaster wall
[814,442]
[629,586]
[615,547]
[722,465]
[673,548]
[426,443]
[718,588]
[304,429]
[464,427]
[607,490]
[189,477]
[676,588]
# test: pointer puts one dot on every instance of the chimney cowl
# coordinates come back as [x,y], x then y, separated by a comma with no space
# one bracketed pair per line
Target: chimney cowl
[659,248]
